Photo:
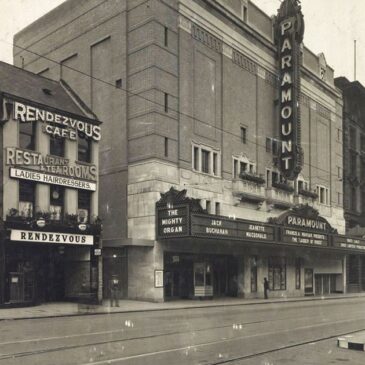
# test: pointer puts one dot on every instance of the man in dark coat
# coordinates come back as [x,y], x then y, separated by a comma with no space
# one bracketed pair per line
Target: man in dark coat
[266,288]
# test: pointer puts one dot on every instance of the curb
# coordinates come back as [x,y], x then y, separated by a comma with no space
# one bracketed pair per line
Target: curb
[263,302]
[350,343]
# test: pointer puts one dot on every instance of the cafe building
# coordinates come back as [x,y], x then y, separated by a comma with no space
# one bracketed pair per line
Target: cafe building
[50,233]
[221,157]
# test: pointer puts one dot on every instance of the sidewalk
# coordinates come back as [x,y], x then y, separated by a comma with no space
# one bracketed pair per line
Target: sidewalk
[73,309]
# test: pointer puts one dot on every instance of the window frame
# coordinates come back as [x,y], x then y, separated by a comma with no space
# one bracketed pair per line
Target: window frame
[212,164]
[81,207]
[325,192]
[24,199]
[90,148]
[33,135]
[238,162]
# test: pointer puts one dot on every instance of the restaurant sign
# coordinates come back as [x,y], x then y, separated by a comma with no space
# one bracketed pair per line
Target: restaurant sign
[349,243]
[51,237]
[203,225]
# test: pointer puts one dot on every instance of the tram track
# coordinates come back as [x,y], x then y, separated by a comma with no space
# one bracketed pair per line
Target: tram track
[25,354]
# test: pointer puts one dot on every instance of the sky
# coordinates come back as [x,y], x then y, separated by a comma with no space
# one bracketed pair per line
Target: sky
[331,28]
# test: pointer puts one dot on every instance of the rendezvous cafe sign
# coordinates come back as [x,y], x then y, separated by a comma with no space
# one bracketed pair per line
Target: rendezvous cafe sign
[51,237]
[56,124]
[33,166]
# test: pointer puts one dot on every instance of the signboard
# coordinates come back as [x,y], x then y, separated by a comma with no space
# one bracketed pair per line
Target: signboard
[172,222]
[310,223]
[158,278]
[46,178]
[290,29]
[51,237]
[56,124]
[349,243]
[219,227]
[304,237]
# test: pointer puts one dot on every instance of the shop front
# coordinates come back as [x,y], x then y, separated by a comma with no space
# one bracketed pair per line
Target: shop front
[56,262]
[209,256]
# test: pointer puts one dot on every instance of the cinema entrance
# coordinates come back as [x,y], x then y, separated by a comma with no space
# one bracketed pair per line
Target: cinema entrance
[194,276]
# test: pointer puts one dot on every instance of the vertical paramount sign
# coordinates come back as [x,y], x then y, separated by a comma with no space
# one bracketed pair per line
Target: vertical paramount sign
[289,36]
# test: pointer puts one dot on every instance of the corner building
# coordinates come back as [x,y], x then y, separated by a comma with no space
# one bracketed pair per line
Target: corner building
[190,94]
[49,176]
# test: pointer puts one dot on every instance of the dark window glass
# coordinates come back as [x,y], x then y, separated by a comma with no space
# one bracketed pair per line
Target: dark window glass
[297,273]
[253,267]
[57,146]
[84,205]
[205,161]
[26,198]
[217,208]
[277,273]
[268,144]
[84,148]
[243,134]
[215,163]
[353,138]
[166,147]
[196,158]
[166,37]
[56,202]
[27,132]
[166,103]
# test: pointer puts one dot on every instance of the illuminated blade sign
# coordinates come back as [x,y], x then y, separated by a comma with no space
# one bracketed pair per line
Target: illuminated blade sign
[290,28]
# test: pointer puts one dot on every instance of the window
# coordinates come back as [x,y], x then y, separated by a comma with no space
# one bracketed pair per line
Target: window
[353,138]
[206,160]
[118,83]
[253,268]
[245,13]
[84,205]
[166,102]
[218,208]
[302,185]
[297,273]
[208,206]
[323,195]
[243,135]
[277,273]
[241,165]
[84,148]
[57,146]
[27,133]
[339,135]
[353,164]
[166,147]
[56,202]
[353,199]
[272,145]
[26,198]
[166,36]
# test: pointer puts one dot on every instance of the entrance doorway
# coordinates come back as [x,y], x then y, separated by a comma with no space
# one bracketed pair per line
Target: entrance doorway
[308,282]
[189,276]
[325,284]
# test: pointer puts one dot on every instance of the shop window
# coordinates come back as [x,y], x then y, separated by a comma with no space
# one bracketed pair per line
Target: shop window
[243,135]
[206,160]
[297,274]
[84,148]
[27,135]
[253,268]
[26,198]
[323,195]
[57,146]
[56,202]
[277,273]
[84,205]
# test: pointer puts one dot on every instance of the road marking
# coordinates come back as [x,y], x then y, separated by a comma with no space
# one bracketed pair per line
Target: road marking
[111,361]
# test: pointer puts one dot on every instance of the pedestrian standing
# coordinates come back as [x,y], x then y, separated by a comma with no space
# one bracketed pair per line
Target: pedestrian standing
[266,288]
[114,292]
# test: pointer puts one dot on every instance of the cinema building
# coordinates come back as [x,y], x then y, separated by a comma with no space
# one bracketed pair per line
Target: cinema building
[49,177]
[221,144]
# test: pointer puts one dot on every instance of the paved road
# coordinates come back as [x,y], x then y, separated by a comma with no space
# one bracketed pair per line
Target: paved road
[267,334]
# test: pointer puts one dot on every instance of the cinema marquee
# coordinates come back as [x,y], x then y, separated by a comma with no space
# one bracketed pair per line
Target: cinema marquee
[289,36]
